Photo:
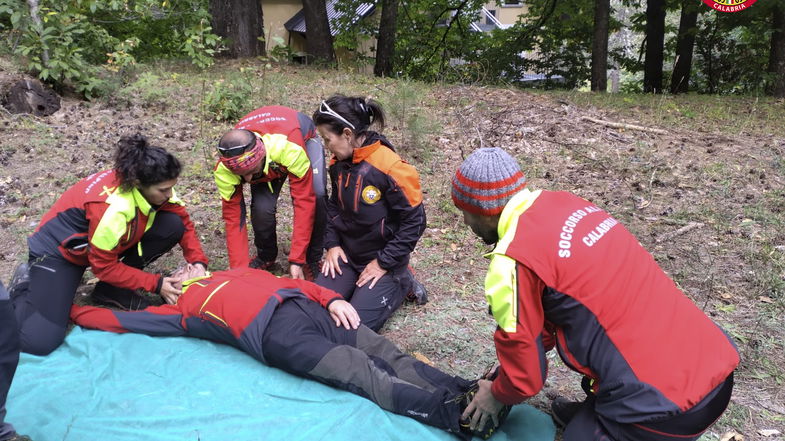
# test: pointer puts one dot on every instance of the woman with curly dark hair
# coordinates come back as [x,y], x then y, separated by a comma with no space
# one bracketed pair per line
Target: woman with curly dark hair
[114,221]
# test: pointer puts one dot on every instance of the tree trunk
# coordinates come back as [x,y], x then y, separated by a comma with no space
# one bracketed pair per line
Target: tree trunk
[599,46]
[680,80]
[655,42]
[777,52]
[319,41]
[33,4]
[240,23]
[385,43]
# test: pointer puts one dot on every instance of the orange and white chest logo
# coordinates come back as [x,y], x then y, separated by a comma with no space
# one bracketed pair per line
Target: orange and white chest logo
[371,194]
[729,5]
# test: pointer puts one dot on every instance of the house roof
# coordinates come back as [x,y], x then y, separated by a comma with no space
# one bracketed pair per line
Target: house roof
[297,22]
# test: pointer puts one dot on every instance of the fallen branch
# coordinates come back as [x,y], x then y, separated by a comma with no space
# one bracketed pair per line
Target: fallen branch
[624,125]
[690,226]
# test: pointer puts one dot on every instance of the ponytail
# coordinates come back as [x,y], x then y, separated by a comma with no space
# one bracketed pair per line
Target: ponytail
[139,164]
[362,113]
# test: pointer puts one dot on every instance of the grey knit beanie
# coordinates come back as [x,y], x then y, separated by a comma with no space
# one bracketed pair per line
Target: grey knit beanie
[486,181]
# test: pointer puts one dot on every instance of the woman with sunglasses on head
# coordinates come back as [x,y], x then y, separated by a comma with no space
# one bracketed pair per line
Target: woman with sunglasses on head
[375,211]
[116,222]
[267,147]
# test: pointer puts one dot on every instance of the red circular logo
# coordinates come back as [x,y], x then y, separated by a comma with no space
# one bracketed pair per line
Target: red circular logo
[729,5]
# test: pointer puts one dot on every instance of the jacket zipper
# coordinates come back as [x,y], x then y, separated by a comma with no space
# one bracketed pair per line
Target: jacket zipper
[357,193]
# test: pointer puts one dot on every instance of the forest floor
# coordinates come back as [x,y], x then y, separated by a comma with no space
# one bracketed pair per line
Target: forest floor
[702,186]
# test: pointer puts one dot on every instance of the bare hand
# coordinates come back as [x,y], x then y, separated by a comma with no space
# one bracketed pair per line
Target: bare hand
[344,314]
[296,271]
[483,406]
[331,263]
[171,288]
[371,273]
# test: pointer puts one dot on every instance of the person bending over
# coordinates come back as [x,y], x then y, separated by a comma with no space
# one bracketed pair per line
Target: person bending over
[564,272]
[267,147]
[114,221]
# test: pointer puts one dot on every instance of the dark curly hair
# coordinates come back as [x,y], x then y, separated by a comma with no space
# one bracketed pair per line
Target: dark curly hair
[139,164]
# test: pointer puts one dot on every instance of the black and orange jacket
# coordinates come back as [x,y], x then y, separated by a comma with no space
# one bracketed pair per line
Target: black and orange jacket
[93,223]
[566,273]
[279,128]
[232,307]
[375,210]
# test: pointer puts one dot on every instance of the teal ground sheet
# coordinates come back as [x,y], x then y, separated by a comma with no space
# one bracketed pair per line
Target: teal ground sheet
[100,386]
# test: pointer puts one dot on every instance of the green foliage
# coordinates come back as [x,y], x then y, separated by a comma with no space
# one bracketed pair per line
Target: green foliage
[77,43]
[432,33]
[149,90]
[229,100]
[732,52]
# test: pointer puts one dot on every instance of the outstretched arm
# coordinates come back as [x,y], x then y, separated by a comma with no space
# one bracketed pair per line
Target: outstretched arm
[163,320]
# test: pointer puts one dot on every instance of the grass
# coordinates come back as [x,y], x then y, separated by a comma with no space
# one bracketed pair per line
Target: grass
[723,114]
[701,171]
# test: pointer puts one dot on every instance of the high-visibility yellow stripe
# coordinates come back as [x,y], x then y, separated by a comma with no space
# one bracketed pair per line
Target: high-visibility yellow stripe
[211,295]
[501,291]
[216,317]
[284,152]
[122,210]
[226,181]
[501,284]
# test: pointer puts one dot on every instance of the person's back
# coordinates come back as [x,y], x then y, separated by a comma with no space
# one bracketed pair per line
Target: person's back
[619,318]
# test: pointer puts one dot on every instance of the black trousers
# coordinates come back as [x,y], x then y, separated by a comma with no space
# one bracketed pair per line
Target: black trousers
[264,206]
[42,309]
[588,425]
[302,339]
[9,356]
[374,305]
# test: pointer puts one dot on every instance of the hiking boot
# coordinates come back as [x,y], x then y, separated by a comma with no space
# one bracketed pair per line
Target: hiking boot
[489,428]
[563,410]
[269,265]
[125,299]
[20,280]
[417,293]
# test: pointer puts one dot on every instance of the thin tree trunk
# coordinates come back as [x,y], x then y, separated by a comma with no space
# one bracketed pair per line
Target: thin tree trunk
[319,41]
[33,4]
[655,42]
[599,49]
[240,24]
[777,52]
[680,79]
[385,44]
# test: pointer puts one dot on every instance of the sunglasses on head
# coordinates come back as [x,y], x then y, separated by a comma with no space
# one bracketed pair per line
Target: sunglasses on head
[324,108]
[229,152]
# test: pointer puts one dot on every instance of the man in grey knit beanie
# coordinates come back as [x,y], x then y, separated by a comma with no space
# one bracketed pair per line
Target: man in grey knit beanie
[565,273]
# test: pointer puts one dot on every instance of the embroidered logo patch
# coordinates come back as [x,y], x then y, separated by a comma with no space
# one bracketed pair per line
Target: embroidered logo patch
[371,194]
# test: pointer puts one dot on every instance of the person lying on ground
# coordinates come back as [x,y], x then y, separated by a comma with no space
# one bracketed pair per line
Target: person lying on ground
[565,273]
[114,221]
[302,328]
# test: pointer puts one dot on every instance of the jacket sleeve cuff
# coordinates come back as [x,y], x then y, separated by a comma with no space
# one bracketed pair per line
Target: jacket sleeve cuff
[338,297]
[159,285]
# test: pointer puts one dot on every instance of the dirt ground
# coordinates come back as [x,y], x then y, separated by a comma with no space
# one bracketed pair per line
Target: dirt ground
[707,202]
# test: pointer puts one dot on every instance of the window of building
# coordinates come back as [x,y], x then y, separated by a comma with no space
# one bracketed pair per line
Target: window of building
[489,18]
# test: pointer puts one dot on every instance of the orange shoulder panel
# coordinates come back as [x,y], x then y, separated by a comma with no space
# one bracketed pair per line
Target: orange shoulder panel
[403,173]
